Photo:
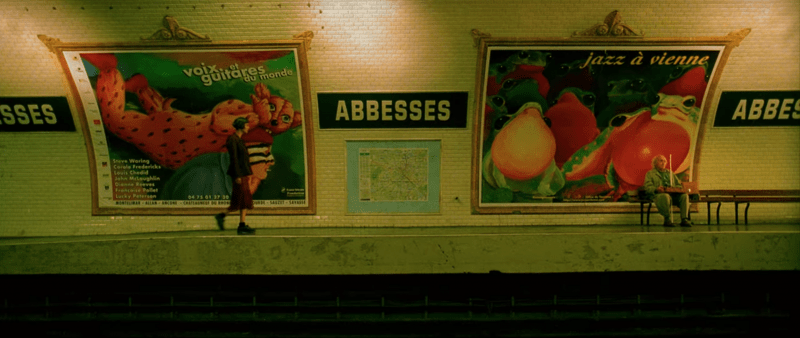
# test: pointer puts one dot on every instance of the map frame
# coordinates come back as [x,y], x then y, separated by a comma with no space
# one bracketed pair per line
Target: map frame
[431,206]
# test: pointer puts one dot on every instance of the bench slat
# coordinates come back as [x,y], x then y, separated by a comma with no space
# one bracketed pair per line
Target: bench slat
[739,196]
[749,199]
[786,192]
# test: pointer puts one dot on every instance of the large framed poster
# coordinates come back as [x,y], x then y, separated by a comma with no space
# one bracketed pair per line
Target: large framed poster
[156,117]
[572,125]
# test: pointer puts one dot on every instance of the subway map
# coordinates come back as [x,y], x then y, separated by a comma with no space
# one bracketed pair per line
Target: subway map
[393,174]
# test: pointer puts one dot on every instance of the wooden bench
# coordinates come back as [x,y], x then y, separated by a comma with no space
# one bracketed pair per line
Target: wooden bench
[746,196]
[642,199]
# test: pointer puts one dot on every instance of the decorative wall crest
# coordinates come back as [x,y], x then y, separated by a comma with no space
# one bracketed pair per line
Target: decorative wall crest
[611,27]
[173,32]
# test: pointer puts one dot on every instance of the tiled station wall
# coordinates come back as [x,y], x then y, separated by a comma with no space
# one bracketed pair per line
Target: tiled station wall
[411,45]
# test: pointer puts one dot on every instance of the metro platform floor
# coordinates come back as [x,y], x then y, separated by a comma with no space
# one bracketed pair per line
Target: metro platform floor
[418,250]
[425,231]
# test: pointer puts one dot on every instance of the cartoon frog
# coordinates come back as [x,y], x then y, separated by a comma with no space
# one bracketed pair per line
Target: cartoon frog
[520,158]
[568,75]
[518,67]
[624,92]
[687,80]
[525,64]
[617,160]
[586,98]
[510,98]
[572,122]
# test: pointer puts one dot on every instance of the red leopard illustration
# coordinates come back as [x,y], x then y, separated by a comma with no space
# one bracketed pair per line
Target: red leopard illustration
[172,137]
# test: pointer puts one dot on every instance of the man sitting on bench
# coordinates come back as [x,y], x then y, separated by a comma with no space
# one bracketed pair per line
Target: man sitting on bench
[662,186]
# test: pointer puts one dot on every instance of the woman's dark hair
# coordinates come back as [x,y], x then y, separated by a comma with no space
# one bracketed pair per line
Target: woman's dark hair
[239,123]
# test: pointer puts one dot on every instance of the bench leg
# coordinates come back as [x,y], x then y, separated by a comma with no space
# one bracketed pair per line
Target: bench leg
[641,213]
[708,211]
[736,208]
[649,205]
[745,212]
[719,204]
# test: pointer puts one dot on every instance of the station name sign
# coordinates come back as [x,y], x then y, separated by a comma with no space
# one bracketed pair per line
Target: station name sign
[392,110]
[758,109]
[35,114]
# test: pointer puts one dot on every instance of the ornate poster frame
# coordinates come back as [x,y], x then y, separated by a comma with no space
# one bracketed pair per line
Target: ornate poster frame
[603,39]
[237,59]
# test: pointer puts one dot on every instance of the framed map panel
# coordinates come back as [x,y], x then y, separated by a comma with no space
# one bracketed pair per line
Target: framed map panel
[397,176]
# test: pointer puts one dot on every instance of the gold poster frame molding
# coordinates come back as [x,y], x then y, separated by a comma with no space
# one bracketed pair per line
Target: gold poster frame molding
[611,33]
[173,37]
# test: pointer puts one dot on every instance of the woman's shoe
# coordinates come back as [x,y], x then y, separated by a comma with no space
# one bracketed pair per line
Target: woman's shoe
[245,230]
[220,217]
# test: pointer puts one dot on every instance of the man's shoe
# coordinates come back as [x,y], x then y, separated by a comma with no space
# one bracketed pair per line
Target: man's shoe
[668,223]
[220,217]
[685,223]
[245,230]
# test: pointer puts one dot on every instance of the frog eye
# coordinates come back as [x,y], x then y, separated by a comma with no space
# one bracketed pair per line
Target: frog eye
[272,107]
[637,84]
[498,101]
[588,99]
[618,120]
[509,83]
[501,68]
[523,55]
[653,98]
[548,122]
[286,119]
[689,102]
[563,69]
[500,122]
[548,57]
